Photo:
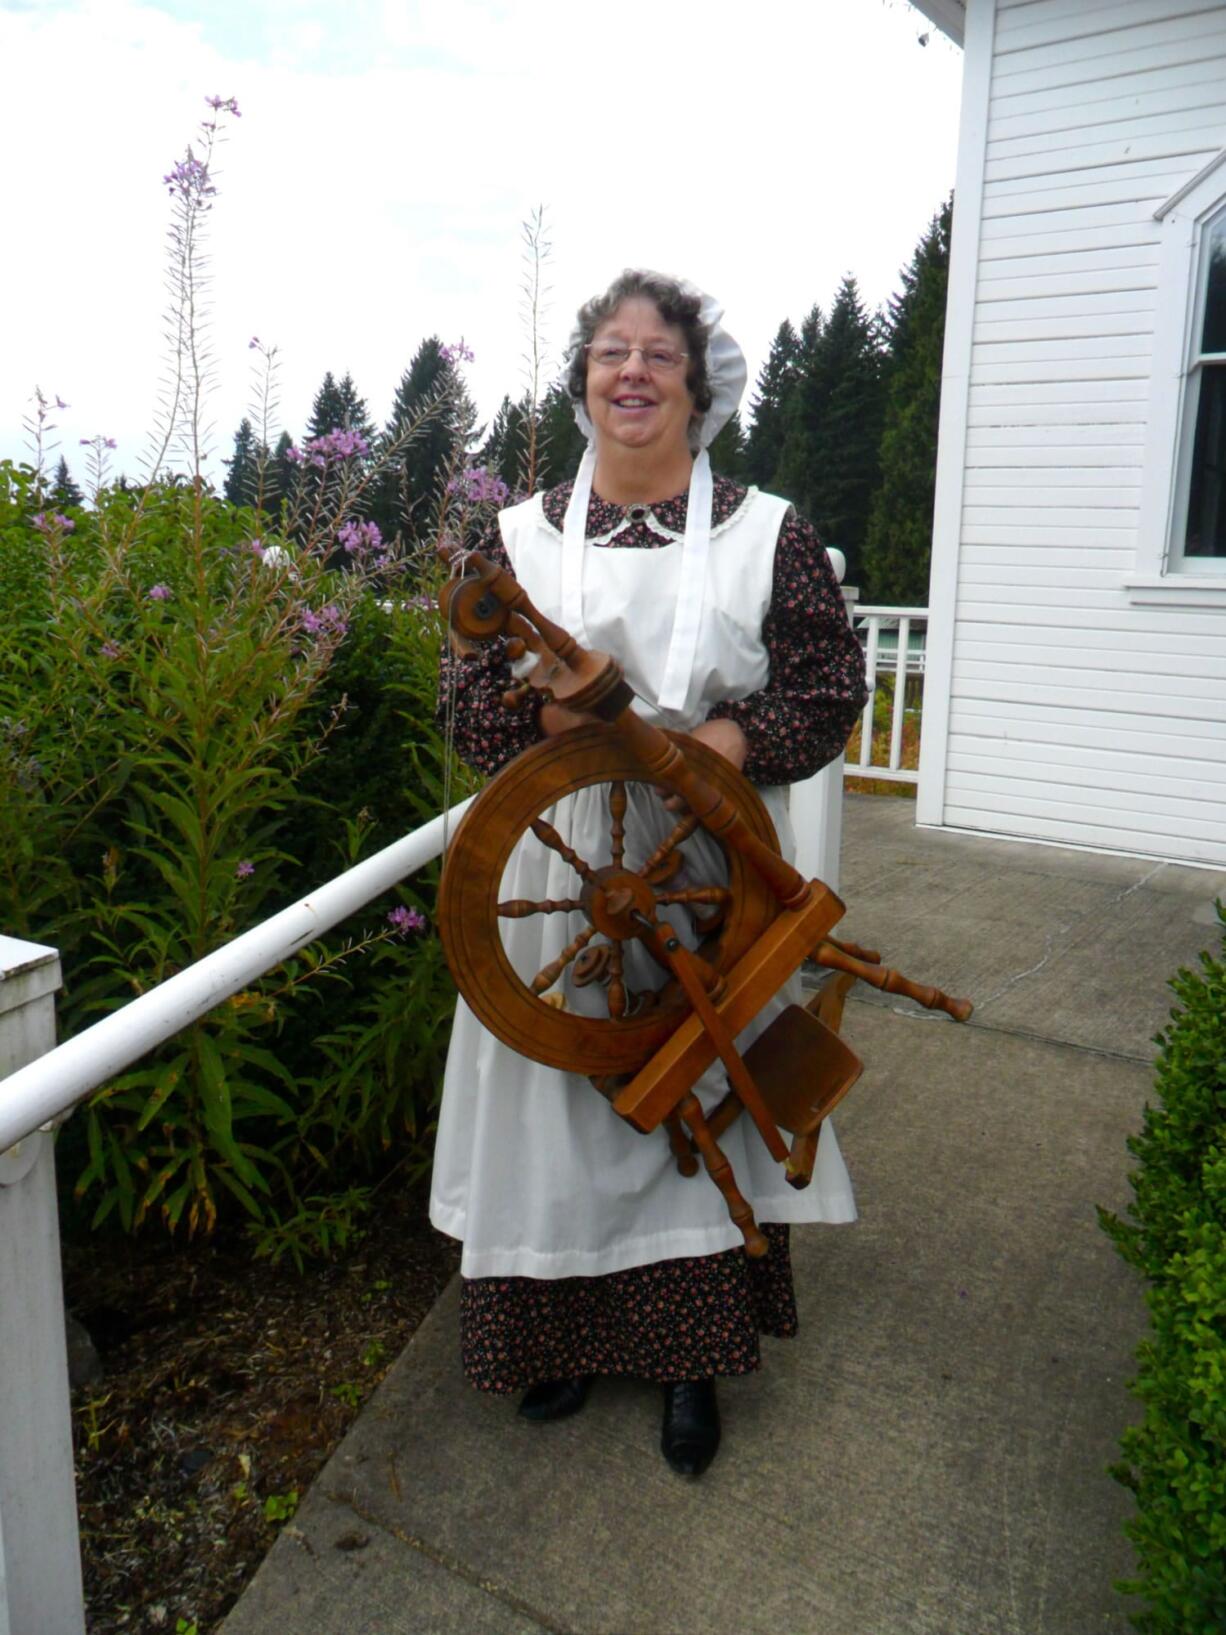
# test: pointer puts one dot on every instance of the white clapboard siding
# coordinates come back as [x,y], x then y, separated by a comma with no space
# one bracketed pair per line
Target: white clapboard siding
[1075,714]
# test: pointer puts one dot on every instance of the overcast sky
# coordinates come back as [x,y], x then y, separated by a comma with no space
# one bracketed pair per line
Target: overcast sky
[388,150]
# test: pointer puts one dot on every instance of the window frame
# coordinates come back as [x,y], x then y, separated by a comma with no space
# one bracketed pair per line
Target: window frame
[1164,574]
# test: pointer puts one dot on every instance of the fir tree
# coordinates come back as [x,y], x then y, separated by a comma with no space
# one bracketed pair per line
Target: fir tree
[898,547]
[764,444]
[829,465]
[281,477]
[505,450]
[64,491]
[355,416]
[408,490]
[327,411]
[727,450]
[242,479]
[560,443]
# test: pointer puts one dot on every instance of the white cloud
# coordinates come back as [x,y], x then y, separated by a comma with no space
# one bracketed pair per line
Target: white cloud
[372,193]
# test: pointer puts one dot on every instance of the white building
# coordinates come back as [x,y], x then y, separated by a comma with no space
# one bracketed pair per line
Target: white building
[1076,687]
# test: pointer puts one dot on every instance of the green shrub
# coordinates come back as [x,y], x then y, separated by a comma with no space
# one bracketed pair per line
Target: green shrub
[194,731]
[1175,1459]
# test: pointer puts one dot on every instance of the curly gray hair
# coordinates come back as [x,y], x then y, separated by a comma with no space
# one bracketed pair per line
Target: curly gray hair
[674,304]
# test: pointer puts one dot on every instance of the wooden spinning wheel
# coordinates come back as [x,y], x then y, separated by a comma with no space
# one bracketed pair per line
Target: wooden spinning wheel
[752,926]
[733,914]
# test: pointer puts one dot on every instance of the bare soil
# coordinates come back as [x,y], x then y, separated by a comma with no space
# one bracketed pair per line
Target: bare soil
[226,1384]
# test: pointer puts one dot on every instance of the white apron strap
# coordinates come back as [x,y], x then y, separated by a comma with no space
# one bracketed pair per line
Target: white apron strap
[679,669]
[574,534]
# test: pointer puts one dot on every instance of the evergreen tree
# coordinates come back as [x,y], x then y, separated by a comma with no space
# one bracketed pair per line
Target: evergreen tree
[328,409]
[829,465]
[63,490]
[242,479]
[408,490]
[560,443]
[505,451]
[727,450]
[776,378]
[355,416]
[898,547]
[281,477]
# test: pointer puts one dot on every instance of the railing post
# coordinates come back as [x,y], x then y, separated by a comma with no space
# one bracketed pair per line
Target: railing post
[40,1561]
[816,805]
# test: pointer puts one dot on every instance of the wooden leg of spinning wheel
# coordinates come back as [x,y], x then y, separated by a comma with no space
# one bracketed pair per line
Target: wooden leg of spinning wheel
[687,1164]
[720,1171]
[879,976]
[804,1155]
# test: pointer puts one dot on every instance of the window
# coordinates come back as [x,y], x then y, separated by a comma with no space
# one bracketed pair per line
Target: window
[1198,537]
[1181,545]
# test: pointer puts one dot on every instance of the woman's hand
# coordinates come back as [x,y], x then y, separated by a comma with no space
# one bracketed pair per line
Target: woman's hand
[726,738]
[556,718]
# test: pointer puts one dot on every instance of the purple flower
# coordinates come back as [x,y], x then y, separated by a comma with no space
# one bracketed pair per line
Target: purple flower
[60,404]
[253,343]
[57,522]
[327,622]
[190,179]
[477,485]
[255,546]
[340,444]
[456,353]
[403,920]
[109,650]
[245,869]
[359,538]
[227,105]
[159,593]
[98,442]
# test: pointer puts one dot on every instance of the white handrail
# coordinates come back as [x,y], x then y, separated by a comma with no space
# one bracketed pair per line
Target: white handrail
[54,1083]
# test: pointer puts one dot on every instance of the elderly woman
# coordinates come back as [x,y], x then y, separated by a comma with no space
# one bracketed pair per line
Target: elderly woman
[585,1253]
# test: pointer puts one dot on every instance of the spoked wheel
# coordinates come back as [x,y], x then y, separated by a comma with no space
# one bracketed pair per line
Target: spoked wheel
[730,914]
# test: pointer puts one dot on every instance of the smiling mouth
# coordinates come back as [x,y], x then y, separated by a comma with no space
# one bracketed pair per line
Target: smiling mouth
[633,403]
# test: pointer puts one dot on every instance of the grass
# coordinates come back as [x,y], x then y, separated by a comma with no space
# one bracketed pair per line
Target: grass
[883,714]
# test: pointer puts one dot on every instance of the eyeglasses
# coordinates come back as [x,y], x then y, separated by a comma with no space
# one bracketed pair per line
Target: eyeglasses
[611,355]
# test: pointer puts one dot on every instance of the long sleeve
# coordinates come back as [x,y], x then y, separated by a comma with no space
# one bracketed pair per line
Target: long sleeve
[486,734]
[804,715]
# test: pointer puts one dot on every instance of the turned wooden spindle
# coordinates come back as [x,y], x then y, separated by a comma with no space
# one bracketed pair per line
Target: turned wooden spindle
[718,896]
[855,950]
[520,908]
[549,836]
[549,974]
[664,851]
[616,992]
[720,1171]
[880,976]
[683,1152]
[799,1170]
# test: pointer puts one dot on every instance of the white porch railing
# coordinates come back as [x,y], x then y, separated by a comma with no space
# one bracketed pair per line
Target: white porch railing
[890,649]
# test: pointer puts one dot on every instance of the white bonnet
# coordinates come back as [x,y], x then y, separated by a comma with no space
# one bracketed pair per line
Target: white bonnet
[727,370]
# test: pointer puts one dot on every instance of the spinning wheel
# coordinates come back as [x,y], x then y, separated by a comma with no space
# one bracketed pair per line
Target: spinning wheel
[752,927]
[731,916]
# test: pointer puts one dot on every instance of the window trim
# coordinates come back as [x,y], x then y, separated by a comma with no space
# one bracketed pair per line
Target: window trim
[1163,575]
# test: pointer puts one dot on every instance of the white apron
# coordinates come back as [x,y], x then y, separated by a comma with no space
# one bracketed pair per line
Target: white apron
[533,1170]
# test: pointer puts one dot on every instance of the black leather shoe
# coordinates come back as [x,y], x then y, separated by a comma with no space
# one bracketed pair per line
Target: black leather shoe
[689,1439]
[554,1399]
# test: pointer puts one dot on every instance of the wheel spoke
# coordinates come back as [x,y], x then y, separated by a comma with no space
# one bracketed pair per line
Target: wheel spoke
[617,987]
[549,836]
[546,977]
[665,849]
[716,896]
[519,908]
[617,825]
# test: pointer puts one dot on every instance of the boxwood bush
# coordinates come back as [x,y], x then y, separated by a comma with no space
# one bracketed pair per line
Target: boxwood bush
[1174,1461]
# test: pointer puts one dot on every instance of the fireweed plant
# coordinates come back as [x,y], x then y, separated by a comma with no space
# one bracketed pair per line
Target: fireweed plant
[201,716]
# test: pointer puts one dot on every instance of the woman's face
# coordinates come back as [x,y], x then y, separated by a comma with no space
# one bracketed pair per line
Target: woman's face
[632,404]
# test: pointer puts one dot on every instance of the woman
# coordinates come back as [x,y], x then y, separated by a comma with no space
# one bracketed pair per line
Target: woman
[585,1253]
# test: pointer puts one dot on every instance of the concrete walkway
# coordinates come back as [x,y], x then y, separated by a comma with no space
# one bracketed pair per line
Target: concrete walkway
[929,1457]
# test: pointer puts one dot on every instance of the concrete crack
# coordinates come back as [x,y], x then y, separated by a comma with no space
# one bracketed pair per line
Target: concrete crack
[449,1564]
